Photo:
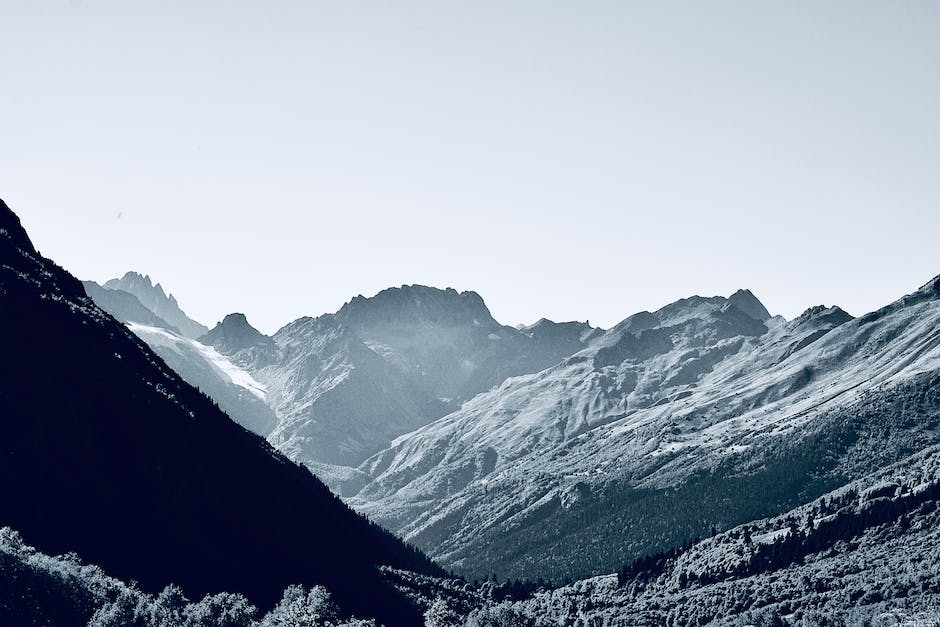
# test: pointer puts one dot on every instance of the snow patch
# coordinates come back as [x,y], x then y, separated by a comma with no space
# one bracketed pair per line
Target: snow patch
[217,360]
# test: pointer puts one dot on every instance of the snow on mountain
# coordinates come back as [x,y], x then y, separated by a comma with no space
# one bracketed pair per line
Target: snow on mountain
[202,366]
[538,450]
[109,453]
[156,300]
[235,390]
[237,376]
[124,306]
[553,473]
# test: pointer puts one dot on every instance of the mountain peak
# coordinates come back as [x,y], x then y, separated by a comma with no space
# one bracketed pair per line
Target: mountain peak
[410,304]
[235,333]
[745,300]
[141,281]
[236,318]
[933,285]
[154,298]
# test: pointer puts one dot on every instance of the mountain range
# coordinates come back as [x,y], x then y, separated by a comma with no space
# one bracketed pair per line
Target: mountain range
[800,450]
[333,390]
[700,412]
[107,452]
[156,300]
[539,451]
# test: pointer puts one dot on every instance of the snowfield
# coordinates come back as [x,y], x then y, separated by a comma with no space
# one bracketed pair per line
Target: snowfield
[156,336]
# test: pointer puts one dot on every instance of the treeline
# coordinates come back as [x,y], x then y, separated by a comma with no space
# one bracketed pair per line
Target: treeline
[651,566]
[842,526]
[37,589]
[838,522]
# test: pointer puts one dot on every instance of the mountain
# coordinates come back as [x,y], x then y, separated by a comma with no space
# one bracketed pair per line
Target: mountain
[336,399]
[107,452]
[236,392]
[156,300]
[343,386]
[862,554]
[235,334]
[447,341]
[708,412]
[125,307]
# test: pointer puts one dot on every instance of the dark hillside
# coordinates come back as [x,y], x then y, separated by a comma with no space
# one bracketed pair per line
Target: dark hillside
[107,452]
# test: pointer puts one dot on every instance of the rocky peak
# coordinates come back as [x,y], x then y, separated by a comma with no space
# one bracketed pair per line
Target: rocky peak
[235,333]
[154,298]
[749,304]
[822,315]
[410,304]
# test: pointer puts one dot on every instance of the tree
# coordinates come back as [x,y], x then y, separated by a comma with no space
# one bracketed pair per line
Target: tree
[440,615]
[298,608]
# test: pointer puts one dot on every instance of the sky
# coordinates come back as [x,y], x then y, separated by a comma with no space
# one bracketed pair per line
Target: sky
[572,160]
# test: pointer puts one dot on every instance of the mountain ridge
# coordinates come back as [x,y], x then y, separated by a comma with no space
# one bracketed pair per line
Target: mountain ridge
[345,384]
[155,482]
[661,397]
[156,300]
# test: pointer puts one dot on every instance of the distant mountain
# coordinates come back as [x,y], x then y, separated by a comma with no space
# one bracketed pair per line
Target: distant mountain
[237,393]
[125,307]
[200,365]
[708,412]
[107,452]
[748,303]
[234,335]
[448,342]
[344,385]
[156,300]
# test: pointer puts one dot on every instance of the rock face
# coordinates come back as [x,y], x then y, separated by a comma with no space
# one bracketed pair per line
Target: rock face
[125,307]
[748,303]
[448,342]
[200,365]
[237,393]
[107,452]
[708,412]
[234,334]
[156,300]
[344,385]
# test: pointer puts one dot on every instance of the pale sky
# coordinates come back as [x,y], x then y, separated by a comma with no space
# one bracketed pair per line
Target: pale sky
[573,160]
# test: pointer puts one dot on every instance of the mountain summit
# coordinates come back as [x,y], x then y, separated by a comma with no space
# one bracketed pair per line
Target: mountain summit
[156,300]
[748,303]
[416,304]
[235,334]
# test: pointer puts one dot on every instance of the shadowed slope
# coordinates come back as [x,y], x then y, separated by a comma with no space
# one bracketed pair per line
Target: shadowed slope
[108,453]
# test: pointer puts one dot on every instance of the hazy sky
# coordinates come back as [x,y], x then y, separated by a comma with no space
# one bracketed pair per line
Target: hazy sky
[575,160]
